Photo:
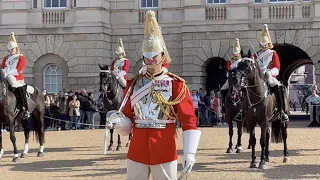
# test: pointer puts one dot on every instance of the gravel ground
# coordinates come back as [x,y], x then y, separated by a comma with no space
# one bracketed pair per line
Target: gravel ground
[78,155]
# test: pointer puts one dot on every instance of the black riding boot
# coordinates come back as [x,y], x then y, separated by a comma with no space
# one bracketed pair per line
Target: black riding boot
[23,96]
[281,103]
[223,99]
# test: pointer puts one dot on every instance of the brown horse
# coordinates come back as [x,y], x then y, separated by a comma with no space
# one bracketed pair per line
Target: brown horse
[258,108]
[11,114]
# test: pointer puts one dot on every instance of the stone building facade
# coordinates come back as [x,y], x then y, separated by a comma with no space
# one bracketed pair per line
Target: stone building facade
[64,40]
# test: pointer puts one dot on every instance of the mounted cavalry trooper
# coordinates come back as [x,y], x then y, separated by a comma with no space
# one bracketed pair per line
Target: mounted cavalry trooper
[12,67]
[155,102]
[231,64]
[269,63]
[120,66]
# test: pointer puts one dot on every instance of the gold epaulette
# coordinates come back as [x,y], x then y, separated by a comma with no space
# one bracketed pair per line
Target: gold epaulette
[180,79]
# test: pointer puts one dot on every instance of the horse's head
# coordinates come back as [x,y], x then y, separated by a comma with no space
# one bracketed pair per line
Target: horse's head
[106,77]
[245,69]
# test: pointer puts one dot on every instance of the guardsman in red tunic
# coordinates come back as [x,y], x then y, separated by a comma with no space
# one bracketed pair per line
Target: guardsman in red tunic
[120,66]
[269,62]
[231,64]
[12,67]
[158,99]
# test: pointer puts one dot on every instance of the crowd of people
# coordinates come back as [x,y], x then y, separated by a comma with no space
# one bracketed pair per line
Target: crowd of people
[72,109]
[207,108]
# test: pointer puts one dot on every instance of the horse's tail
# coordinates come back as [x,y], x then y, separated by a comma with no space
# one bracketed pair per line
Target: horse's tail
[276,134]
[35,127]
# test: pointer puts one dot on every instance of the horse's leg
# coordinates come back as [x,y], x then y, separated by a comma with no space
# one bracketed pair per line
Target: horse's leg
[110,148]
[262,164]
[39,120]
[239,143]
[284,138]
[1,148]
[128,143]
[26,130]
[266,159]
[253,148]
[13,140]
[229,150]
[119,143]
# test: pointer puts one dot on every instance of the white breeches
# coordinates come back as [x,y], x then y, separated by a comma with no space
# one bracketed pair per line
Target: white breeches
[273,81]
[225,86]
[13,81]
[139,171]
[122,81]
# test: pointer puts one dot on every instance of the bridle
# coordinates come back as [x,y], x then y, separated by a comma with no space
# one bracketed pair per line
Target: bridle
[244,84]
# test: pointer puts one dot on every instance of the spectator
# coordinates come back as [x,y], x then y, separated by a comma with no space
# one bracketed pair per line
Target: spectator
[91,110]
[54,109]
[195,100]
[102,113]
[203,108]
[63,108]
[74,112]
[212,110]
[83,98]
[47,109]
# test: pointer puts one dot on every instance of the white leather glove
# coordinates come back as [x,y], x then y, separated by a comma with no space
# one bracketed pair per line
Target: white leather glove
[191,140]
[120,122]
[188,162]
[267,73]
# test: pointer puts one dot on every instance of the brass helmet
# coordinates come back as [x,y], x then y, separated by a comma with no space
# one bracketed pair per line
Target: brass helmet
[120,48]
[265,39]
[153,42]
[13,43]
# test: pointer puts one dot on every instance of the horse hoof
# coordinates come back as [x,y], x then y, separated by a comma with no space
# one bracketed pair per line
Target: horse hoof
[15,159]
[286,159]
[40,154]
[229,150]
[253,165]
[23,155]
[266,160]
[239,150]
[262,166]
[119,148]
[127,145]
[110,148]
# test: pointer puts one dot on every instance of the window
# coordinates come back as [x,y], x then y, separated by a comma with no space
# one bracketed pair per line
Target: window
[35,4]
[52,76]
[149,3]
[217,1]
[55,3]
[257,1]
[279,1]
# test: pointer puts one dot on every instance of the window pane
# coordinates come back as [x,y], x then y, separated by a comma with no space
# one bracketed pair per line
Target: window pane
[143,3]
[74,3]
[257,1]
[47,3]
[222,1]
[155,3]
[149,3]
[63,3]
[210,1]
[59,79]
[35,3]
[55,3]
[59,86]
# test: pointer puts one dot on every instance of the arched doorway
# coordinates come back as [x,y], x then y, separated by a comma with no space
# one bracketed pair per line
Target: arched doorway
[291,57]
[216,74]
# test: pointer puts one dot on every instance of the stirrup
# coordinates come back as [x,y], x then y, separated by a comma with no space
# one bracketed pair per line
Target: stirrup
[284,117]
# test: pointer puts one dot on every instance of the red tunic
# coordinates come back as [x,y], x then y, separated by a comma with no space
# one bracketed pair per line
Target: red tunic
[228,65]
[125,67]
[275,63]
[157,146]
[20,66]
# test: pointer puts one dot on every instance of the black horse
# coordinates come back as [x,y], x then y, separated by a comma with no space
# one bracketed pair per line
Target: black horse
[258,108]
[232,106]
[11,114]
[112,98]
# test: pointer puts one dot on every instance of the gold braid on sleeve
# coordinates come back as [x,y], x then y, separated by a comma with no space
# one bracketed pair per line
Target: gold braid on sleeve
[162,102]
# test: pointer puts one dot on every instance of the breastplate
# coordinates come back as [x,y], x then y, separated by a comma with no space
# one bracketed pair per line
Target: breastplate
[265,59]
[149,113]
